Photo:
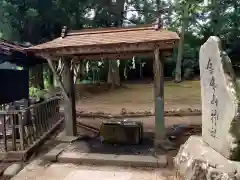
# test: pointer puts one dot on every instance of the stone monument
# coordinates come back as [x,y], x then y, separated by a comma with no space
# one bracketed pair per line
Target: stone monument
[215,154]
[220,102]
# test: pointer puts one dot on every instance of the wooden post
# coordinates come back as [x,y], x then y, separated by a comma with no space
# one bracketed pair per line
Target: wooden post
[69,104]
[159,97]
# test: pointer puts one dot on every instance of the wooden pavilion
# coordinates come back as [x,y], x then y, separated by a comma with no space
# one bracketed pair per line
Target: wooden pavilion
[108,43]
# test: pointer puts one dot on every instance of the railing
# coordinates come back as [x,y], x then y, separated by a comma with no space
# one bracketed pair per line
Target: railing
[21,128]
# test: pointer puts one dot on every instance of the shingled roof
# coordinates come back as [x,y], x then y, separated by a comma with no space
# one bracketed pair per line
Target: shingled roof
[15,53]
[7,47]
[107,37]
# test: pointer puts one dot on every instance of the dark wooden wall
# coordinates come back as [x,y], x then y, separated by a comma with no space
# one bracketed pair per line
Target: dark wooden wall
[14,85]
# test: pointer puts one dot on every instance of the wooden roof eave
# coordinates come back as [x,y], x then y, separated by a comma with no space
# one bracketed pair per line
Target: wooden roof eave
[107,48]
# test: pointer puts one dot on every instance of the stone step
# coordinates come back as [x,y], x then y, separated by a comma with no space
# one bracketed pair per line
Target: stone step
[13,170]
[109,159]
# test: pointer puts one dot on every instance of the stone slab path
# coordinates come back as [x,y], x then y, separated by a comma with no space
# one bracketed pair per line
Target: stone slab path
[37,170]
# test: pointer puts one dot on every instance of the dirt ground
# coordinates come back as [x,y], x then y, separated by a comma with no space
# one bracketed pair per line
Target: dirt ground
[140,97]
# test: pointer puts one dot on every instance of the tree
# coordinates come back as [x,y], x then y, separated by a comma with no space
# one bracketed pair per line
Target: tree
[188,11]
[38,21]
[118,9]
[8,13]
[178,74]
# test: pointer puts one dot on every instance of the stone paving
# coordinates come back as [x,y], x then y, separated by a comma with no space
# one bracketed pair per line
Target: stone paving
[37,170]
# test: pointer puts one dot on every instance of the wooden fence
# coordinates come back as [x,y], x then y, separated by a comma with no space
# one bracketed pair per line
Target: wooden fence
[21,129]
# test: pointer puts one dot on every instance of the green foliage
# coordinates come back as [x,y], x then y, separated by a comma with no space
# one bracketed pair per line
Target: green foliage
[32,91]
[36,93]
[38,21]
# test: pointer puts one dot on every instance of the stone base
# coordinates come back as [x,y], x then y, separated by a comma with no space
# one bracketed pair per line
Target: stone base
[136,161]
[196,161]
[68,153]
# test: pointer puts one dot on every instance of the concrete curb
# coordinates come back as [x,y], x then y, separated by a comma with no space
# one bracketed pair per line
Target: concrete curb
[113,160]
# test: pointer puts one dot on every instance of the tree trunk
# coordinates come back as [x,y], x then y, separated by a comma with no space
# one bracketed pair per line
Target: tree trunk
[178,72]
[110,78]
[235,23]
[82,71]
[113,69]
[50,77]
[215,17]
[37,76]
[115,73]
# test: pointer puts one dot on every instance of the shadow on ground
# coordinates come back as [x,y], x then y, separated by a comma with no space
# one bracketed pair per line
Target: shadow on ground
[92,144]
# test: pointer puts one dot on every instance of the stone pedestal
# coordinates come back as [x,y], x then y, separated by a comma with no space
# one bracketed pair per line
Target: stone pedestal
[196,160]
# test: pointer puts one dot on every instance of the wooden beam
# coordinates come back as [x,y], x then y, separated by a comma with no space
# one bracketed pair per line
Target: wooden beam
[119,56]
[159,64]
[159,97]
[69,105]
[156,66]
[110,56]
[108,48]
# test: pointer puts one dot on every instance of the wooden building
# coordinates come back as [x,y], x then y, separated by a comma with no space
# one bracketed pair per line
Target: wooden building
[14,76]
[108,43]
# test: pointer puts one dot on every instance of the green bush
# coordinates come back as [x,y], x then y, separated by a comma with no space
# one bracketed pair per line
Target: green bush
[36,93]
